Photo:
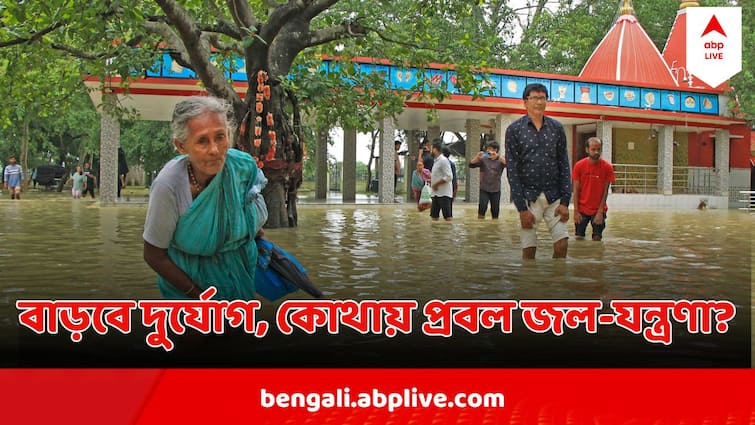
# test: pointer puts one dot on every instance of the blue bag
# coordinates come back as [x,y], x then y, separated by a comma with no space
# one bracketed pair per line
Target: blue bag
[278,273]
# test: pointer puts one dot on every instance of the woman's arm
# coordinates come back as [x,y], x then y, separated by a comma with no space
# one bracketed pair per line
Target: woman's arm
[158,259]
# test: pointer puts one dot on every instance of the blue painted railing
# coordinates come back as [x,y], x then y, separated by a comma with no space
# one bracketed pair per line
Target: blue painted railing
[504,86]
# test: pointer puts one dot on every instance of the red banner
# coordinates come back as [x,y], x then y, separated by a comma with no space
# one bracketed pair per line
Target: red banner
[378,396]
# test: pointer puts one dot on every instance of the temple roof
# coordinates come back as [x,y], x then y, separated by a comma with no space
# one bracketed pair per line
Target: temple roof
[627,55]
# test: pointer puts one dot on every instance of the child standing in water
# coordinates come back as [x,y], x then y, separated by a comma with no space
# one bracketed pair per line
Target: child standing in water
[79,183]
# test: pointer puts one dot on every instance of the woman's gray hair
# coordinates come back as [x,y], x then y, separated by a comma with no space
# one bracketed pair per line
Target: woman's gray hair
[195,106]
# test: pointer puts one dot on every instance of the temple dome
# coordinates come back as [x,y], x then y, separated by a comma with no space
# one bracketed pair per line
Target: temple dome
[627,55]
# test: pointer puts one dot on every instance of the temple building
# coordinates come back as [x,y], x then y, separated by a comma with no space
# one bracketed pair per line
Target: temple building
[672,139]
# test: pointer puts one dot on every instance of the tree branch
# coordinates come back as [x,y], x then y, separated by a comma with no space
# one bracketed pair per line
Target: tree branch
[224,27]
[174,42]
[78,53]
[345,30]
[400,42]
[197,49]
[315,7]
[37,36]
[242,14]
[34,36]
[219,44]
[281,16]
[303,10]
[294,37]
[352,29]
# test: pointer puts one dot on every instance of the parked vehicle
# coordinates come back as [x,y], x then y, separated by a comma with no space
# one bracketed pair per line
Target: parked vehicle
[49,176]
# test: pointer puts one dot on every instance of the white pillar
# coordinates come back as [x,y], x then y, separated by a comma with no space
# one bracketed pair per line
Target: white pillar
[472,185]
[349,165]
[722,162]
[321,165]
[604,131]
[110,135]
[386,191]
[502,122]
[665,159]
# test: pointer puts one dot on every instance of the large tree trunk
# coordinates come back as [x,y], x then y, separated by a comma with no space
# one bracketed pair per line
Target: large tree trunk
[273,138]
[374,136]
[275,197]
[24,154]
[266,131]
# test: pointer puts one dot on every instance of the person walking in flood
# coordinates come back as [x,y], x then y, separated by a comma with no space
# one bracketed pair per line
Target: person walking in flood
[455,182]
[491,165]
[592,178]
[441,180]
[91,179]
[538,169]
[79,180]
[425,155]
[420,178]
[13,175]
[122,170]
[202,216]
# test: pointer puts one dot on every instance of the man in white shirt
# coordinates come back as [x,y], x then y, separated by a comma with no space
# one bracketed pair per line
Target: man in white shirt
[441,179]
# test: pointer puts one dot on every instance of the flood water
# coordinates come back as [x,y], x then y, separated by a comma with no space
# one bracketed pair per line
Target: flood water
[52,247]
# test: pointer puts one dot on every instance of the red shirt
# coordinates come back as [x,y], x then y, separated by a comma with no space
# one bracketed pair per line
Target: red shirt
[592,179]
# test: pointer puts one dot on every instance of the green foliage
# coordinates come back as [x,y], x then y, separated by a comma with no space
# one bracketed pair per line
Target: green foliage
[147,143]
[561,39]
[67,137]
[45,47]
[309,167]
[410,32]
[744,82]
[60,132]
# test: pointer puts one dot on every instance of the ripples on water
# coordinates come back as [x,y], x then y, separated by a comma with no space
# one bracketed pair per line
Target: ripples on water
[58,248]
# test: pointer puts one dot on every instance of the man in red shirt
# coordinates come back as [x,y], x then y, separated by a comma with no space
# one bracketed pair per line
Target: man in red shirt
[592,176]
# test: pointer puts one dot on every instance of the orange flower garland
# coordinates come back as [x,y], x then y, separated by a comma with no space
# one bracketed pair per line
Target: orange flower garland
[263,94]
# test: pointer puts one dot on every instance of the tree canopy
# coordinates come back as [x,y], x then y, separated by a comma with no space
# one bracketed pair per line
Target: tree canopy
[45,47]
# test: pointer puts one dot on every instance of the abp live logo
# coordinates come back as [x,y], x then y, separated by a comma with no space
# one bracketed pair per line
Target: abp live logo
[714,43]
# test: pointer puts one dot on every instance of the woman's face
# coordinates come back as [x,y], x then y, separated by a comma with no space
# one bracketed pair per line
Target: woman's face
[206,144]
[420,167]
[78,169]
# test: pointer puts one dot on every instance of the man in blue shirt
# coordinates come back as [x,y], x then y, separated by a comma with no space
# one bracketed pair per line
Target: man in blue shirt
[538,171]
[13,175]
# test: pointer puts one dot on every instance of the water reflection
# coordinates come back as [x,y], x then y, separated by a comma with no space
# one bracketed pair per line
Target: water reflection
[58,248]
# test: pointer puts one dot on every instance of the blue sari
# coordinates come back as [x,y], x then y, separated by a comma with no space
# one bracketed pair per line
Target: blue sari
[214,239]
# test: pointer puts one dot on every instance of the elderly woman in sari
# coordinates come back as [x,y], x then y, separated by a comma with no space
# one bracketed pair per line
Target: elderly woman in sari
[420,177]
[204,208]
